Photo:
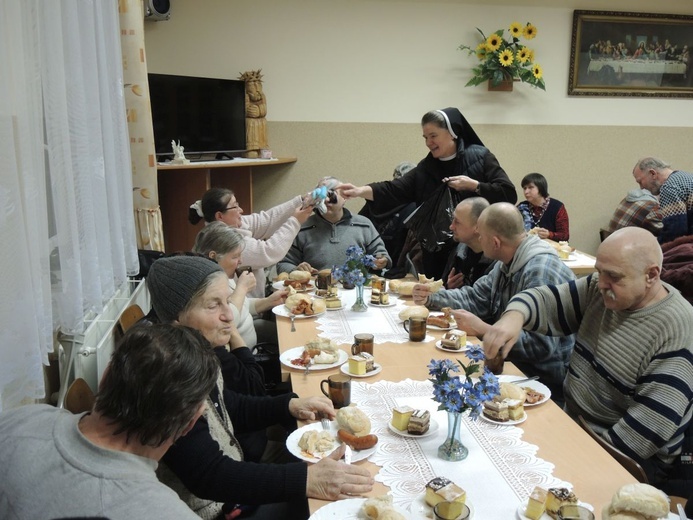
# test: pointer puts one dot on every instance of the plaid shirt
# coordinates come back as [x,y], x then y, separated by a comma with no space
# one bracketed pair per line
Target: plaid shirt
[676,201]
[534,264]
[640,213]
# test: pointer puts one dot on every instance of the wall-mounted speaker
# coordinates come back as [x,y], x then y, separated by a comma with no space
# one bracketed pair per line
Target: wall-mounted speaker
[157,10]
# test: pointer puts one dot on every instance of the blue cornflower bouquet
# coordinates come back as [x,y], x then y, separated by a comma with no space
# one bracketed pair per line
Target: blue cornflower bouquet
[355,269]
[458,395]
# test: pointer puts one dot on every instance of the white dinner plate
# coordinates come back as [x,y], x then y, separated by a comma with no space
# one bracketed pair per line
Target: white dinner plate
[506,423]
[335,308]
[432,428]
[420,509]
[349,509]
[281,310]
[280,285]
[534,385]
[294,353]
[440,346]
[295,436]
[345,370]
[523,507]
[392,303]
[435,327]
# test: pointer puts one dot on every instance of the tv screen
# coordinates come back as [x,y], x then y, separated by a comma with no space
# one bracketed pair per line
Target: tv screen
[206,115]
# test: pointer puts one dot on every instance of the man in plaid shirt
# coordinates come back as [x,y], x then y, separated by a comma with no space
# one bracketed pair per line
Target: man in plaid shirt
[675,190]
[639,209]
[524,261]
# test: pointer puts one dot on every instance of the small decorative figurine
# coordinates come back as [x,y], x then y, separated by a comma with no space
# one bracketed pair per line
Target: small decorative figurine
[178,155]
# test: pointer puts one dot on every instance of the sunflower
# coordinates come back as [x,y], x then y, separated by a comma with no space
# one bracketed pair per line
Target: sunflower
[493,42]
[481,51]
[522,55]
[506,57]
[516,29]
[536,70]
[530,55]
[529,31]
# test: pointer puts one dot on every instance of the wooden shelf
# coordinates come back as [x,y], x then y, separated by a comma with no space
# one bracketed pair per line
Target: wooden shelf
[180,185]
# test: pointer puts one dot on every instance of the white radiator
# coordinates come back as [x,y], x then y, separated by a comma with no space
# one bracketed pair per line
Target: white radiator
[86,355]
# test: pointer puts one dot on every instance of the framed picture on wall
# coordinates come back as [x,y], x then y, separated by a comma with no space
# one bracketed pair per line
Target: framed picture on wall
[631,54]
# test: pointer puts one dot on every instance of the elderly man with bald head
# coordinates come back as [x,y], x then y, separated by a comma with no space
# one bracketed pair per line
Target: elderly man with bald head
[631,372]
[523,261]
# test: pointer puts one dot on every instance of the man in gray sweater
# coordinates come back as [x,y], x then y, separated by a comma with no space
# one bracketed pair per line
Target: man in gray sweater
[323,239]
[102,464]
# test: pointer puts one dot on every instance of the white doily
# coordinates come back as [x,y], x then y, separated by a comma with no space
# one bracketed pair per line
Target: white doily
[383,322]
[499,473]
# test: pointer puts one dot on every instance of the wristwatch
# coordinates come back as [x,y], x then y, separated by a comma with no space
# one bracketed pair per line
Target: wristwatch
[477,190]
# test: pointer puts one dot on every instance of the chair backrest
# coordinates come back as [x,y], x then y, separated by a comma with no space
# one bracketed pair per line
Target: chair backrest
[624,460]
[79,397]
[603,233]
[129,317]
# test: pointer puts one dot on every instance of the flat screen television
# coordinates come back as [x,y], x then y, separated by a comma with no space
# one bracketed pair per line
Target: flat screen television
[206,115]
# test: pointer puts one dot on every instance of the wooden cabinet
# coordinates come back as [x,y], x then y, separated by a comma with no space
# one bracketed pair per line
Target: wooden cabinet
[180,185]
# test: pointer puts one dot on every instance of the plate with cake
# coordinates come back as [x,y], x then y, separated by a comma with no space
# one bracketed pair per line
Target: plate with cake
[536,393]
[376,370]
[506,411]
[311,443]
[447,347]
[419,508]
[410,422]
[542,501]
[312,359]
[380,298]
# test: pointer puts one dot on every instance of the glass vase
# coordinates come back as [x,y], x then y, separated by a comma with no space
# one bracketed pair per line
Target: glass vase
[453,449]
[359,304]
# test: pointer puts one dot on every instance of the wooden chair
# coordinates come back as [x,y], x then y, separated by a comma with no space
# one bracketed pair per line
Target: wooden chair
[603,233]
[129,317]
[79,397]
[631,465]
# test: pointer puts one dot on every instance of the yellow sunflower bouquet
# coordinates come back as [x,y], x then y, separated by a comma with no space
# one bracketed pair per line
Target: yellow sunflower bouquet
[502,59]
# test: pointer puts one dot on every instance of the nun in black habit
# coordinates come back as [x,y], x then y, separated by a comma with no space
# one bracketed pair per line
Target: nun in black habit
[458,159]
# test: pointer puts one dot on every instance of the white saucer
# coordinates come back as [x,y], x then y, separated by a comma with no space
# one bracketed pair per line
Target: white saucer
[335,308]
[506,423]
[440,346]
[392,303]
[432,428]
[345,370]
[435,327]
[294,353]
[281,310]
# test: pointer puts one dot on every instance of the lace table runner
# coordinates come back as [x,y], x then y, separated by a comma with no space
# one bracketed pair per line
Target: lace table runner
[498,475]
[383,322]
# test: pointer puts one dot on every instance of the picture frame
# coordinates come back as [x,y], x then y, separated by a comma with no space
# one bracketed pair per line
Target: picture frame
[631,54]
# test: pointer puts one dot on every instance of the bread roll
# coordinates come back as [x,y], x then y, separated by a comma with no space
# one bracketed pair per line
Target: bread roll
[413,311]
[299,276]
[281,277]
[405,288]
[319,305]
[644,499]
[512,391]
[354,421]
[293,300]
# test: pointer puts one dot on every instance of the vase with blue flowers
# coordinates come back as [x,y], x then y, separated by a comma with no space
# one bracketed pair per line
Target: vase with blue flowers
[355,273]
[458,395]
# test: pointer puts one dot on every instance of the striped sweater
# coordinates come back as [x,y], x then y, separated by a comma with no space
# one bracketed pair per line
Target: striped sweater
[631,373]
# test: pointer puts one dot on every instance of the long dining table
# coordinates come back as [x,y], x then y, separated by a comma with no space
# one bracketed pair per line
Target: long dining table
[576,458]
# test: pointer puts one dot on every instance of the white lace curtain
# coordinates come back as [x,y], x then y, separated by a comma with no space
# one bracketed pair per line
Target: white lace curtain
[67,239]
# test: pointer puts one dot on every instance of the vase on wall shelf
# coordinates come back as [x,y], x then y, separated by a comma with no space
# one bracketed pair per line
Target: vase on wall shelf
[505,85]
[453,449]
[359,304]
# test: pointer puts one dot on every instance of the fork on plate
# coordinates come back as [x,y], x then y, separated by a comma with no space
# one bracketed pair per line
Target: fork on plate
[293,321]
[325,422]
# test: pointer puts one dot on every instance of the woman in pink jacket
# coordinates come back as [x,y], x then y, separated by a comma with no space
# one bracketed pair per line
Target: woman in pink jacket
[268,235]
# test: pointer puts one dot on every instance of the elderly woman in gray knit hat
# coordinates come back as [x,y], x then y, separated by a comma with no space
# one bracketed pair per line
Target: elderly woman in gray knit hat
[209,467]
[194,291]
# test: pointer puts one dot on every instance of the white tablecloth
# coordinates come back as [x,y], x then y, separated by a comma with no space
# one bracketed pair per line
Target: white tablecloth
[383,322]
[499,473]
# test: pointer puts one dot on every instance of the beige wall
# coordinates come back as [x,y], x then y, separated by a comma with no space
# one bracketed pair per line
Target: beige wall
[348,80]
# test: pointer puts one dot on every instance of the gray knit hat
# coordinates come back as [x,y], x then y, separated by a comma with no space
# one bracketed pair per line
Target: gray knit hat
[173,281]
